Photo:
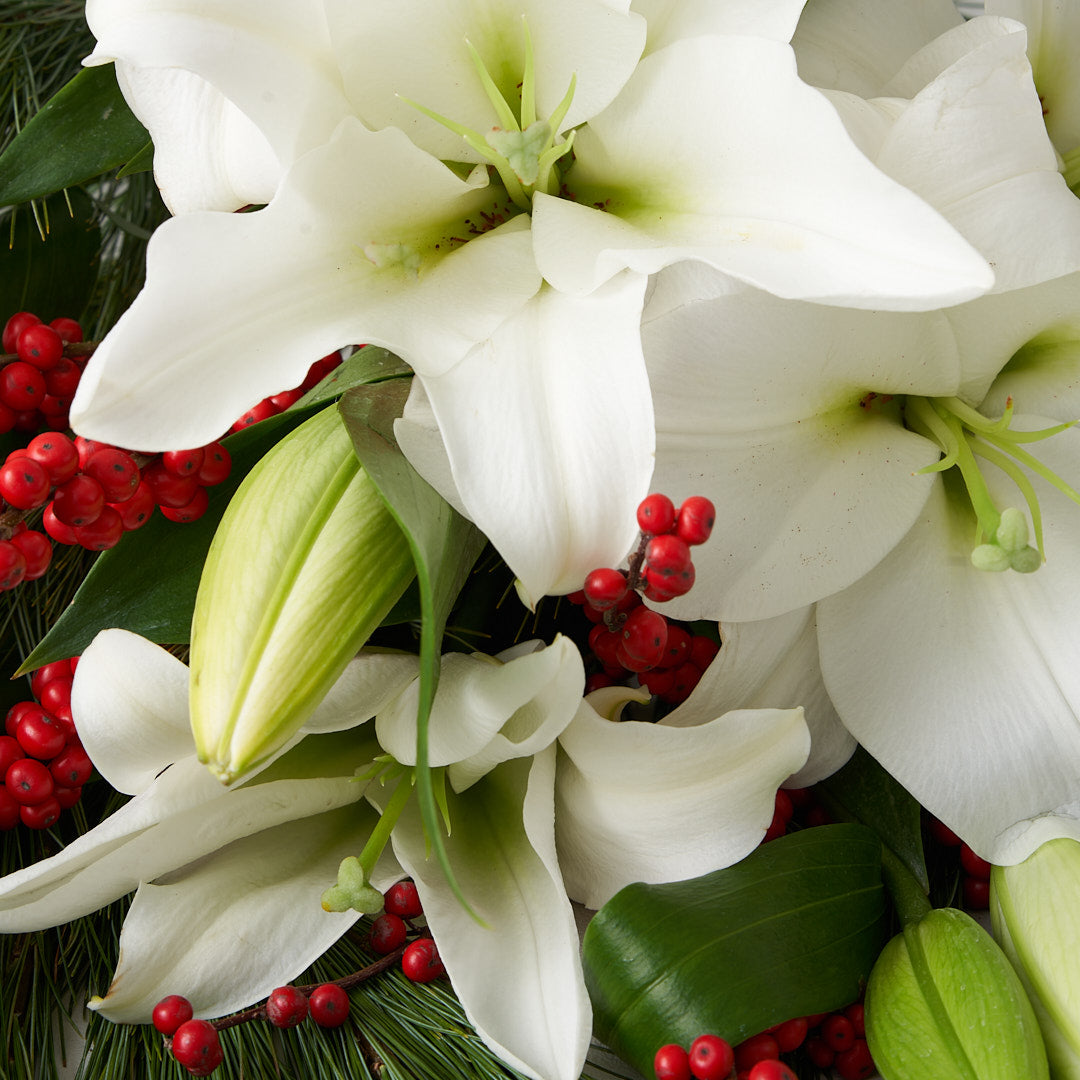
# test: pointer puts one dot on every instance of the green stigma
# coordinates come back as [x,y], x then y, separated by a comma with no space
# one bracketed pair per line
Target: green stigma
[965,435]
[521,147]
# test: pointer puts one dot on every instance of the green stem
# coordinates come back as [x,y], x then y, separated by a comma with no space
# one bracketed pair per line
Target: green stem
[911,902]
[385,826]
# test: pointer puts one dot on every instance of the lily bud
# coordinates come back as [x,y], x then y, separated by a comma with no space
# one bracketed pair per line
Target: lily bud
[1036,922]
[306,563]
[943,1003]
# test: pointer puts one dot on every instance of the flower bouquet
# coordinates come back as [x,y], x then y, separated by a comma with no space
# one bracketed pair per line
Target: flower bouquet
[540,539]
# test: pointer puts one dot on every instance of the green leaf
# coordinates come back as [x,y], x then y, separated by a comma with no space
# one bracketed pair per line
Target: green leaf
[147,583]
[53,275]
[791,930]
[143,161]
[444,546]
[83,130]
[863,791]
[371,364]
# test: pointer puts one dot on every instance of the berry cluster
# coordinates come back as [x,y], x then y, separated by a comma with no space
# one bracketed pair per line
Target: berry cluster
[195,1044]
[796,808]
[975,883]
[42,762]
[713,1058]
[837,1040]
[93,493]
[278,403]
[40,372]
[631,639]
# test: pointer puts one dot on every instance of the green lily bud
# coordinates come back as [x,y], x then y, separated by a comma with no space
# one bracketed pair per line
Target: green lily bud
[1036,922]
[352,892]
[306,563]
[943,1003]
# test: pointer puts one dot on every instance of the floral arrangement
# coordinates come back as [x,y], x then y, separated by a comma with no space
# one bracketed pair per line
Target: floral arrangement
[611,611]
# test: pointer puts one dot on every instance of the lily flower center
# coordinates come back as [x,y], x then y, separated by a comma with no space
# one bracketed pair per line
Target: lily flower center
[967,437]
[522,148]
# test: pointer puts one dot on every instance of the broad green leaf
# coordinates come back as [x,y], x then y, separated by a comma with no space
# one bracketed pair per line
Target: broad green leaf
[53,275]
[371,364]
[83,130]
[444,546]
[147,583]
[143,161]
[863,791]
[791,930]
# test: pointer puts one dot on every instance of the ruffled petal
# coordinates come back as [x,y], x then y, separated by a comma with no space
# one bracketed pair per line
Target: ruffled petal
[130,705]
[769,664]
[228,929]
[962,682]
[502,850]
[271,58]
[417,50]
[626,790]
[558,397]
[759,179]
[207,154]
[486,712]
[236,306]
[368,684]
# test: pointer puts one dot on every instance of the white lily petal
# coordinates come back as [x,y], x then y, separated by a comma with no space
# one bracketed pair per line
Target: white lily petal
[182,816]
[772,664]
[207,154]
[859,45]
[130,705]
[570,472]
[962,682]
[502,850]
[486,712]
[271,58]
[367,685]
[231,927]
[420,53]
[654,803]
[761,181]
[672,20]
[973,144]
[237,305]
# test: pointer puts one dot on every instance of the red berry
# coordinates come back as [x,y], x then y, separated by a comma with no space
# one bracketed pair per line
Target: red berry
[55,694]
[257,413]
[838,1031]
[216,465]
[820,1052]
[658,681]
[329,1005]
[696,518]
[191,511]
[784,808]
[136,511]
[24,483]
[116,471]
[791,1034]
[403,900]
[40,735]
[71,767]
[79,502]
[667,555]
[686,677]
[678,647]
[15,326]
[168,488]
[976,866]
[22,386]
[183,462]
[67,797]
[286,399]
[29,781]
[102,533]
[12,565]
[388,932]
[9,810]
[286,1007]
[856,1063]
[671,1063]
[63,380]
[87,448]
[976,893]
[757,1048]
[40,815]
[14,715]
[644,635]
[771,1070]
[41,346]
[36,550]
[605,644]
[170,1012]
[656,514]
[604,588]
[598,680]
[668,586]
[58,669]
[703,651]
[711,1058]
[196,1046]
[68,329]
[10,751]
[943,834]
[857,1015]
[57,453]
[421,962]
[57,529]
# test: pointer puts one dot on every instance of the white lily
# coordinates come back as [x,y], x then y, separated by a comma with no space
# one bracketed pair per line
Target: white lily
[518,288]
[958,680]
[543,789]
